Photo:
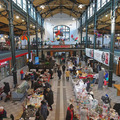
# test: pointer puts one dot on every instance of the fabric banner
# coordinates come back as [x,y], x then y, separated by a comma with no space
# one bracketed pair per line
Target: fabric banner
[60,46]
[100,56]
[89,52]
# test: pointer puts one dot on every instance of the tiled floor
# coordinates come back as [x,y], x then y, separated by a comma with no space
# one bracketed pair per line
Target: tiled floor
[63,91]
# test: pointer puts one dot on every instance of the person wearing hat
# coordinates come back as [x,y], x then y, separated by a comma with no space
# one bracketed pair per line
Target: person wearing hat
[3,113]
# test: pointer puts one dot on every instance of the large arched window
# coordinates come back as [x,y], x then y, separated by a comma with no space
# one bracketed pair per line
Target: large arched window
[65,29]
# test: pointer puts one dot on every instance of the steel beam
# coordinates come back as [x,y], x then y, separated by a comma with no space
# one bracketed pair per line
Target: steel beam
[11,27]
[111,65]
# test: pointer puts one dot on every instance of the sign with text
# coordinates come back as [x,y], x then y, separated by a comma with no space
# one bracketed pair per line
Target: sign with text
[60,46]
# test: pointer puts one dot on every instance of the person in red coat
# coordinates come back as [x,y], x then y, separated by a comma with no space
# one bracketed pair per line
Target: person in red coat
[22,73]
[70,112]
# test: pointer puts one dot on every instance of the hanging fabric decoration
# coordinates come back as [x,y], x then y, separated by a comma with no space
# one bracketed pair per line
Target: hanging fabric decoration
[97,34]
[24,36]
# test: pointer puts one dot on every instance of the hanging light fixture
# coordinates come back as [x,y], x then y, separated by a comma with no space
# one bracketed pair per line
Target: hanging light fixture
[42,6]
[17,17]
[23,20]
[80,6]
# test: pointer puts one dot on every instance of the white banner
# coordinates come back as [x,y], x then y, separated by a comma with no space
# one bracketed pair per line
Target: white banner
[89,52]
[100,56]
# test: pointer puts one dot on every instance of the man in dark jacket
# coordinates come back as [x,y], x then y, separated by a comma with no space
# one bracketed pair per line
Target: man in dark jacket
[39,116]
[70,113]
[63,68]
[6,88]
[50,98]
[3,113]
[51,73]
[59,73]
[44,109]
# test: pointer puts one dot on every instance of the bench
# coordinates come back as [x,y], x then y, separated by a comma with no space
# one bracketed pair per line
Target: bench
[118,89]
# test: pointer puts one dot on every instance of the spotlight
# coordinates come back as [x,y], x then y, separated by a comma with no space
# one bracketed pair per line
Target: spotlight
[42,7]
[23,20]
[17,17]
[33,26]
[106,15]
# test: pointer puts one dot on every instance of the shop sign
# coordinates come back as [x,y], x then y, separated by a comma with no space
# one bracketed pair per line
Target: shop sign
[89,52]
[102,57]
[60,46]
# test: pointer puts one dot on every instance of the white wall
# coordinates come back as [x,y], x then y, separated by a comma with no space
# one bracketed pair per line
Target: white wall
[60,19]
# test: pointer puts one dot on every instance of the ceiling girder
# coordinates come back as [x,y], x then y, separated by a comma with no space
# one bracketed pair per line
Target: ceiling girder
[45,3]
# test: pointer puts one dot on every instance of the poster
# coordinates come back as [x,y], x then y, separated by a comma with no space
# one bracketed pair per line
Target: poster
[36,60]
[89,52]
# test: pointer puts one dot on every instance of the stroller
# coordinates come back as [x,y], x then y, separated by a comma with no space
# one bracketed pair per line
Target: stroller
[106,100]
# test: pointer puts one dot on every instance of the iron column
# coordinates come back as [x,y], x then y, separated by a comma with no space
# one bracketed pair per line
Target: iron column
[111,65]
[81,28]
[36,30]
[86,30]
[28,31]
[12,42]
[95,27]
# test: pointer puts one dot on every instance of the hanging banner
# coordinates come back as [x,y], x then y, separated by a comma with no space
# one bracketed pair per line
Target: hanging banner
[100,56]
[89,52]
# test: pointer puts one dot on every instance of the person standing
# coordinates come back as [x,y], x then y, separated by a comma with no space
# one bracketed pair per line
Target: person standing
[3,113]
[22,74]
[67,74]
[49,97]
[44,109]
[70,112]
[63,69]
[59,73]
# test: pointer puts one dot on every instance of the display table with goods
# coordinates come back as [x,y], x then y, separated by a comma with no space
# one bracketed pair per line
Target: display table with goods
[20,91]
[89,107]
[32,103]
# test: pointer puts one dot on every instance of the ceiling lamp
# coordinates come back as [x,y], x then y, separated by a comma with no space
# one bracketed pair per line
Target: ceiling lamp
[42,6]
[80,6]
[17,17]
[23,20]
[33,26]
[73,19]
[106,15]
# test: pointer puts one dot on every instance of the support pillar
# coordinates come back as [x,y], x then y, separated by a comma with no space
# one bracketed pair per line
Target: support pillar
[111,65]
[102,40]
[86,45]
[42,44]
[95,27]
[36,30]
[12,42]
[81,29]
[28,31]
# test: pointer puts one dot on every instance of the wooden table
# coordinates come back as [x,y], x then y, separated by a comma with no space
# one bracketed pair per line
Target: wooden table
[118,89]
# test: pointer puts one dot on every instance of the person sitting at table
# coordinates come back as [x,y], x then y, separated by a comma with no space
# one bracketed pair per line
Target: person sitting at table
[3,113]
[27,77]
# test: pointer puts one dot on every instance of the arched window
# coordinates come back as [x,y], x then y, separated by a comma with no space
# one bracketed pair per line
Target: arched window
[65,30]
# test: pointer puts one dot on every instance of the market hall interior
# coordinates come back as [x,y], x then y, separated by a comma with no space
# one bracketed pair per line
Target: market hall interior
[59,60]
